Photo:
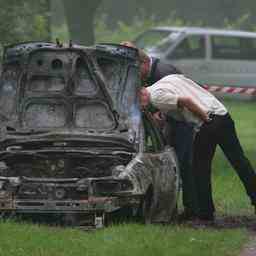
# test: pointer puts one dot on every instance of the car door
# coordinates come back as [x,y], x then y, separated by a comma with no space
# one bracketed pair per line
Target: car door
[190,55]
[165,173]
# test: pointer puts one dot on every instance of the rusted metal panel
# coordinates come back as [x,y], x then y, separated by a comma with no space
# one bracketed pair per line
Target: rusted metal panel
[72,138]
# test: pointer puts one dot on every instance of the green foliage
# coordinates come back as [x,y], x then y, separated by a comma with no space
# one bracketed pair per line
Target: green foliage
[242,22]
[127,31]
[40,28]
[23,21]
[29,20]
[61,32]
[124,32]
[212,13]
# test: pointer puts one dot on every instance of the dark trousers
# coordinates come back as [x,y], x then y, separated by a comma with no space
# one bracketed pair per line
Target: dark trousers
[220,131]
[181,136]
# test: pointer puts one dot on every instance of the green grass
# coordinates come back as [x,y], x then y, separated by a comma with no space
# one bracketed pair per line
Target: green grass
[133,239]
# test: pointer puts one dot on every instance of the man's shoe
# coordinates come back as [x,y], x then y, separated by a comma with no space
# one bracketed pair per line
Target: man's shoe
[207,217]
[202,223]
[204,220]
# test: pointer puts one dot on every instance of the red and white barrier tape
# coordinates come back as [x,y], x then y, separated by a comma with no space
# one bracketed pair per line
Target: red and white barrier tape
[233,90]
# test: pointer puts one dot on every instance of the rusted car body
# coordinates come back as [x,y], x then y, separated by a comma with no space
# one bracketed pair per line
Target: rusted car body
[73,139]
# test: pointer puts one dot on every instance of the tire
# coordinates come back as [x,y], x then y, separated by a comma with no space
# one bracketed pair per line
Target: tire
[174,214]
[147,207]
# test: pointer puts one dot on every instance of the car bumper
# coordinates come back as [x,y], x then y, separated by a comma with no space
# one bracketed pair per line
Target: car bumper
[88,214]
[92,204]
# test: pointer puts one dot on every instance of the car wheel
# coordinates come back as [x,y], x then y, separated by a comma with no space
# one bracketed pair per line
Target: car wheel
[174,214]
[147,207]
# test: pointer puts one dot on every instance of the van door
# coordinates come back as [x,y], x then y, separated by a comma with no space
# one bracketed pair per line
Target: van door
[233,61]
[190,56]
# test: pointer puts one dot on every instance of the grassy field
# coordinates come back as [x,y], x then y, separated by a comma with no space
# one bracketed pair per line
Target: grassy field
[134,239]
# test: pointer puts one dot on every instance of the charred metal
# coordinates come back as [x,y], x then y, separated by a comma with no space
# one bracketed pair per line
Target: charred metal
[73,140]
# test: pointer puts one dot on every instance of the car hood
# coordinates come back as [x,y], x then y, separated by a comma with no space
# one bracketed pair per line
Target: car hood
[91,89]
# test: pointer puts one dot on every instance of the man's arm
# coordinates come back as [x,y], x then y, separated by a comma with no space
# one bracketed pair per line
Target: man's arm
[193,107]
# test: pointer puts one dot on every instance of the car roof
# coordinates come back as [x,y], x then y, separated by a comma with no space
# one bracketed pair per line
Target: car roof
[207,31]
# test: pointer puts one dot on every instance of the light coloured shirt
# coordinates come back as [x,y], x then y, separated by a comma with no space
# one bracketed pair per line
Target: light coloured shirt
[165,93]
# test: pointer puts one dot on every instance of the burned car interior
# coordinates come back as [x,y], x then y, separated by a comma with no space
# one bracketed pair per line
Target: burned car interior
[73,140]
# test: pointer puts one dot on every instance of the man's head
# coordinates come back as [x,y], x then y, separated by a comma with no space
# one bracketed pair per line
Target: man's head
[144,97]
[144,61]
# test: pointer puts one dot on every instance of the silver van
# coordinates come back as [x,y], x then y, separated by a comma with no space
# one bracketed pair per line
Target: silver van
[221,60]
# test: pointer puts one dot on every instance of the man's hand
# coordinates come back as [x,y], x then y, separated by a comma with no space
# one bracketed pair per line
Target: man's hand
[159,118]
[209,117]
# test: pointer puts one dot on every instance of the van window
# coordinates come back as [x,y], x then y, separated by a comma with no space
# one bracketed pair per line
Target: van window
[192,47]
[151,38]
[156,40]
[227,47]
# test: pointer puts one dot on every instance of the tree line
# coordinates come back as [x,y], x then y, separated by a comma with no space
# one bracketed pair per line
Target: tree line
[30,20]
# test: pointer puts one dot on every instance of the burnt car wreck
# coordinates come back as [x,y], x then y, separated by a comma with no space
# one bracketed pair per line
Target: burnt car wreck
[73,139]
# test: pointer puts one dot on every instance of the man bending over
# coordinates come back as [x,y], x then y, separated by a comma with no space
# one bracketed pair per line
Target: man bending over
[184,99]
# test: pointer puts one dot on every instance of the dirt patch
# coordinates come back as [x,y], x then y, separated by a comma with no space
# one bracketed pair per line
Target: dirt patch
[250,248]
[233,222]
[248,222]
[227,222]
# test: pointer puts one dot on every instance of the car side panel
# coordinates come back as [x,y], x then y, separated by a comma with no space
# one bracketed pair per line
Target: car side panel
[161,172]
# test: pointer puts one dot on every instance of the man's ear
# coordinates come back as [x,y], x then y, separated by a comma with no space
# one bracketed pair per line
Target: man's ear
[142,90]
